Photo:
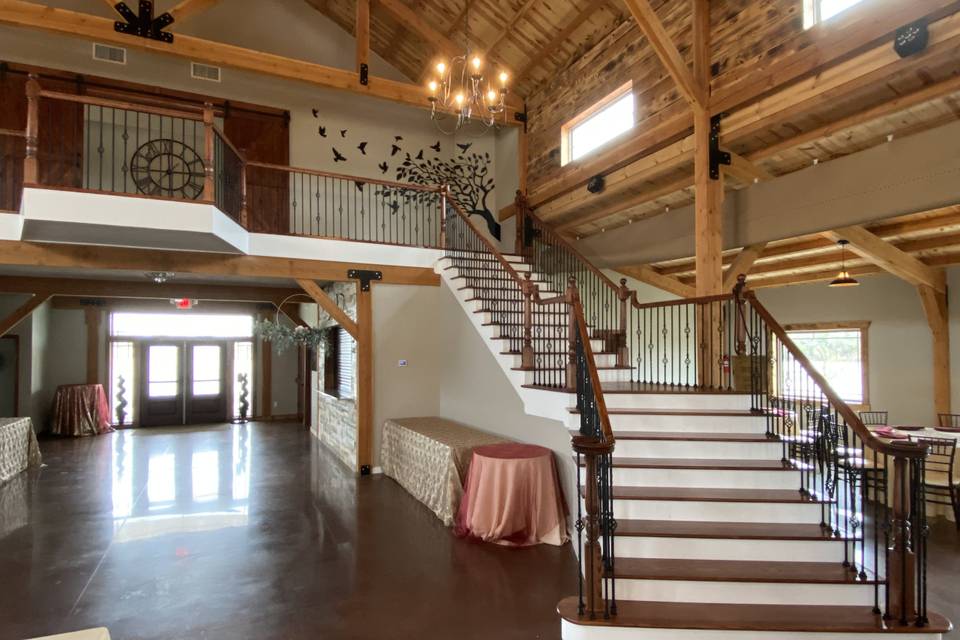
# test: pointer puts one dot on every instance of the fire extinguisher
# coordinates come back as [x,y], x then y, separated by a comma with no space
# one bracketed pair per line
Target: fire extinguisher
[726,364]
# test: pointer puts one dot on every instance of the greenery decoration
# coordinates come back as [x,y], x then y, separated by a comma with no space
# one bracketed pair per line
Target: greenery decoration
[121,400]
[284,337]
[244,395]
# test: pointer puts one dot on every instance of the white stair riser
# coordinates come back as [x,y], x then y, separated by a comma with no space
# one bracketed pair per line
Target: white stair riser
[695,424]
[691,401]
[745,592]
[504,281]
[706,478]
[571,631]
[722,549]
[716,511]
[698,449]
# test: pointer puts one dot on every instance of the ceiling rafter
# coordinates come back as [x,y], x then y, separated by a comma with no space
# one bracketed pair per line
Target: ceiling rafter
[186,9]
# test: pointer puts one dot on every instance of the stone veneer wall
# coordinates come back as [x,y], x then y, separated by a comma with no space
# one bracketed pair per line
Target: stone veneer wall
[336,418]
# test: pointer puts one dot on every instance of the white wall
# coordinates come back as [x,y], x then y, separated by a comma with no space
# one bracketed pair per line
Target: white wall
[24,330]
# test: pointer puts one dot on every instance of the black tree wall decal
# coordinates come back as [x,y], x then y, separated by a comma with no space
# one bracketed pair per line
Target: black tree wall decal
[467,176]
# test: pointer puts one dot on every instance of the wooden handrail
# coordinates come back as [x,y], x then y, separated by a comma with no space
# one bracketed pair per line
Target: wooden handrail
[496,252]
[120,104]
[340,176]
[682,301]
[898,449]
[577,311]
[13,133]
[569,247]
[220,134]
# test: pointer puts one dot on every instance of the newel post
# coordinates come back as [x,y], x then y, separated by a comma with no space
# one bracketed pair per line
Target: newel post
[244,214]
[740,326]
[209,193]
[31,172]
[443,216]
[901,556]
[623,353]
[572,296]
[527,289]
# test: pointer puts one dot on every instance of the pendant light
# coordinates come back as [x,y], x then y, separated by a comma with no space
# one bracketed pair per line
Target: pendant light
[843,279]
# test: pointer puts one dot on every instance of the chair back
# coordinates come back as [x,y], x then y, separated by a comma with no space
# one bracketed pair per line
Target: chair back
[874,417]
[940,455]
[949,419]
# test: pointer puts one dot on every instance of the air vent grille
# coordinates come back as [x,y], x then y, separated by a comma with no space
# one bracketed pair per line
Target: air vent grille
[106,53]
[204,72]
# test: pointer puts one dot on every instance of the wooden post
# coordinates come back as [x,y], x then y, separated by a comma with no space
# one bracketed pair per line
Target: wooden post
[364,379]
[593,566]
[363,35]
[209,188]
[623,340]
[31,173]
[244,214]
[92,317]
[572,296]
[901,560]
[528,289]
[935,308]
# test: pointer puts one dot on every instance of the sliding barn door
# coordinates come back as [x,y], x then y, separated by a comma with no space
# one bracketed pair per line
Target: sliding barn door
[263,138]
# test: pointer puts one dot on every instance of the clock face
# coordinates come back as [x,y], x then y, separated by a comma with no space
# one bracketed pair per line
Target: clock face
[169,168]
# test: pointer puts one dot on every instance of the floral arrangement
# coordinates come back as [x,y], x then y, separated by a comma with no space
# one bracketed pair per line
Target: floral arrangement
[285,337]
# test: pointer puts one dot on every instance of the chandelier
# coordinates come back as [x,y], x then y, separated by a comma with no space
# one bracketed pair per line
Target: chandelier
[459,87]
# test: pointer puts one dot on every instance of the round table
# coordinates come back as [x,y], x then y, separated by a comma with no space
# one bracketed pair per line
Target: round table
[512,497]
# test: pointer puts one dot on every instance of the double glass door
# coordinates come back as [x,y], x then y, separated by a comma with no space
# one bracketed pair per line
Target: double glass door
[183,382]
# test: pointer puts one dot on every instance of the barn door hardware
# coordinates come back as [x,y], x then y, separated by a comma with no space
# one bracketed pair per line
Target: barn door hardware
[364,277]
[717,157]
[143,24]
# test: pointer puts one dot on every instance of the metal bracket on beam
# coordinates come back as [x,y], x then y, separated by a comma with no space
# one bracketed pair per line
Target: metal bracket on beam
[364,74]
[143,23]
[364,277]
[521,116]
[717,157]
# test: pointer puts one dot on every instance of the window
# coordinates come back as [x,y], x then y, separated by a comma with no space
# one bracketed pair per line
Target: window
[817,11]
[180,324]
[339,358]
[597,125]
[839,352]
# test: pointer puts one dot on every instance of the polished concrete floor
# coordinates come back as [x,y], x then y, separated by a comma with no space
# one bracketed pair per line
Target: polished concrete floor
[250,531]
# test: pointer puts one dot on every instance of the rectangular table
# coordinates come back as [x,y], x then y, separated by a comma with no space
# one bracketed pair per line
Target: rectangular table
[429,458]
[18,447]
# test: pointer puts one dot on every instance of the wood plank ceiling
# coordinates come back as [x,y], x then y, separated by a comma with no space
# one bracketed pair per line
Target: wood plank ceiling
[533,39]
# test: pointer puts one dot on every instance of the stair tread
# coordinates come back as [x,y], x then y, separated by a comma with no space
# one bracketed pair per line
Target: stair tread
[769,571]
[684,436]
[723,530]
[712,464]
[749,617]
[700,494]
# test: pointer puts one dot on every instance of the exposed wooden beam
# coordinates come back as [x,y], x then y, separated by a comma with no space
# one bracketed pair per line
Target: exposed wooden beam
[625,204]
[648,275]
[362,34]
[745,171]
[708,216]
[570,24]
[935,308]
[809,277]
[36,16]
[186,9]
[291,311]
[76,287]
[888,257]
[742,264]
[660,41]
[330,306]
[415,22]
[365,380]
[504,33]
[121,258]
[22,312]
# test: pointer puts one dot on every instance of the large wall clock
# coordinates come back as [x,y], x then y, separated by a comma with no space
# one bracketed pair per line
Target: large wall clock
[169,168]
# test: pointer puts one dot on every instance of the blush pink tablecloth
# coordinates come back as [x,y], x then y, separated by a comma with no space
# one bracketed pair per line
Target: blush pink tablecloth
[80,410]
[512,497]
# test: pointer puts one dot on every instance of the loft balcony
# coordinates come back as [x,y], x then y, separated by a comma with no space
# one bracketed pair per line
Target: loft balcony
[97,171]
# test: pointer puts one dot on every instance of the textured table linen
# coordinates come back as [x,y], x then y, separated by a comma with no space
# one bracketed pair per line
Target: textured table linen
[18,447]
[429,458]
[512,497]
[80,410]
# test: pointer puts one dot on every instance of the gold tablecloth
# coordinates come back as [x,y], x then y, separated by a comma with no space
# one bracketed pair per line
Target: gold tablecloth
[429,457]
[18,447]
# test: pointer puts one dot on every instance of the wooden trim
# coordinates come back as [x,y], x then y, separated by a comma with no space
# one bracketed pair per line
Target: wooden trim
[330,306]
[122,105]
[92,317]
[71,23]
[861,326]
[566,129]
[364,378]
[102,257]
[22,312]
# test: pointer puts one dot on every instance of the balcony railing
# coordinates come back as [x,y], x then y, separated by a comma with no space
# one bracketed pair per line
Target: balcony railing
[100,145]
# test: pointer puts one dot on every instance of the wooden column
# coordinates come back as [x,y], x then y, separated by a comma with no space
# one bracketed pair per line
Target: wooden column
[209,187]
[935,308]
[364,379]
[31,173]
[363,34]
[92,317]
[22,312]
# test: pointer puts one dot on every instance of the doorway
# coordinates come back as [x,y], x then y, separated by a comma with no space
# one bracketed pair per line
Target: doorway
[183,383]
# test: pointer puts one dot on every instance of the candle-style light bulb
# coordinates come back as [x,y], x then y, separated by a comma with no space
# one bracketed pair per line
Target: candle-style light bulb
[459,98]
[476,63]
[503,77]
[433,87]
[441,68]
[491,96]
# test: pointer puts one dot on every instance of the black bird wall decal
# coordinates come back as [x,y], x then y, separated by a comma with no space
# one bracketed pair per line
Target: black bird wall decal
[464,147]
[394,149]
[398,138]
[394,206]
[383,167]
[343,133]
[322,131]
[420,155]
[337,156]
[316,114]
[359,185]
[363,148]
[436,146]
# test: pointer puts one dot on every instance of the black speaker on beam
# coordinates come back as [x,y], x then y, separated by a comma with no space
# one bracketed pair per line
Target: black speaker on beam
[911,39]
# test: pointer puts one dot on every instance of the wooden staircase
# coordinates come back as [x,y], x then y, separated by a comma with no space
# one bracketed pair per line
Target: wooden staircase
[720,529]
